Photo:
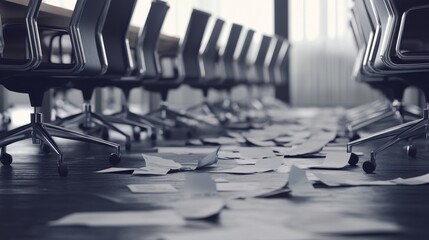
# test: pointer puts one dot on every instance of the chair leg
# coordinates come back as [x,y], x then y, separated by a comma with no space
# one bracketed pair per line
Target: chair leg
[411,131]
[73,135]
[16,135]
[114,128]
[379,117]
[384,133]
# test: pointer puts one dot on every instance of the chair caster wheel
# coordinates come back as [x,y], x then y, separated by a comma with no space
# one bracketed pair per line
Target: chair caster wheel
[166,133]
[354,159]
[6,159]
[45,148]
[368,167]
[105,134]
[410,150]
[114,159]
[127,145]
[63,170]
[354,137]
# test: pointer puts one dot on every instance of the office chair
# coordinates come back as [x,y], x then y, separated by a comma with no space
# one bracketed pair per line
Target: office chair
[226,110]
[401,18]
[85,25]
[277,72]
[187,67]
[117,55]
[393,88]
[257,69]
[209,64]
[146,66]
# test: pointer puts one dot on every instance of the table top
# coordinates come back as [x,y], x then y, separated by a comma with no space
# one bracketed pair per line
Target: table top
[57,16]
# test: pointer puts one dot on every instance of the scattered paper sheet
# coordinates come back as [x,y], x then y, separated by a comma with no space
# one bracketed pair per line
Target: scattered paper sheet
[121,219]
[220,180]
[256,152]
[208,160]
[151,171]
[332,181]
[334,160]
[195,142]
[199,208]
[116,170]
[237,186]
[154,161]
[152,188]
[309,147]
[246,161]
[220,141]
[263,165]
[228,155]
[260,143]
[199,185]
[185,150]
[298,181]
[237,136]
[419,180]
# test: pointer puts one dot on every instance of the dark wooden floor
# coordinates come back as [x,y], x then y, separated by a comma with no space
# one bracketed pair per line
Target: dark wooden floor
[32,194]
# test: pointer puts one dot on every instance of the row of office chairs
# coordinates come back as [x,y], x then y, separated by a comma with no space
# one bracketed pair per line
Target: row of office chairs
[101,55]
[393,54]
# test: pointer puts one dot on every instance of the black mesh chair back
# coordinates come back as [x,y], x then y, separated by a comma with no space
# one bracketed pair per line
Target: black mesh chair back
[282,63]
[227,58]
[271,60]
[259,64]
[115,33]
[188,58]
[85,31]
[24,28]
[241,61]
[210,56]
[90,24]
[147,41]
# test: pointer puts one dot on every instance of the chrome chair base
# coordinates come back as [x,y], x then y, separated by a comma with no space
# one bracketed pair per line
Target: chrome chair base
[89,121]
[42,133]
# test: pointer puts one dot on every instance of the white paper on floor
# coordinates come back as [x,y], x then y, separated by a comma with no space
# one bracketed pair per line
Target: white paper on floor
[121,219]
[185,150]
[155,161]
[151,171]
[199,185]
[298,181]
[256,152]
[152,188]
[199,208]
[334,160]
[207,161]
[262,165]
[237,186]
[333,181]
